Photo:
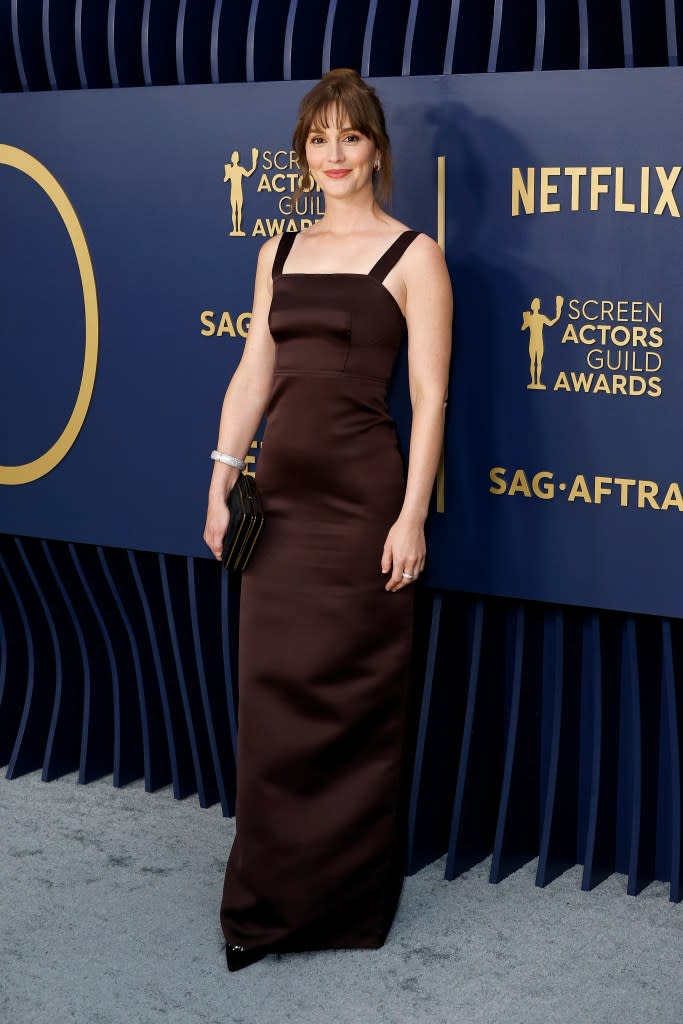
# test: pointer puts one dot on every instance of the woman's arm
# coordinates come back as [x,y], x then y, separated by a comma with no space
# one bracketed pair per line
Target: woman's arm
[429,316]
[245,399]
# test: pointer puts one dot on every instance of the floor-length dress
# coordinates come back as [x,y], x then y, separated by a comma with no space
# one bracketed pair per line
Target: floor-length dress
[324,650]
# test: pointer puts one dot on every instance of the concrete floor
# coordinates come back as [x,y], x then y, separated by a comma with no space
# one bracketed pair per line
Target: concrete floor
[109,914]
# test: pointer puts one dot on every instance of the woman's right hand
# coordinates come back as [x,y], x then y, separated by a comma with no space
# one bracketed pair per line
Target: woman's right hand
[217,518]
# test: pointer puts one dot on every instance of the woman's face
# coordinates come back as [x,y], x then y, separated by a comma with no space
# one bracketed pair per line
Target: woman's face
[340,158]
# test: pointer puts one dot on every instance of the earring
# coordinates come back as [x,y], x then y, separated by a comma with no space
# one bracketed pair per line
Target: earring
[376,166]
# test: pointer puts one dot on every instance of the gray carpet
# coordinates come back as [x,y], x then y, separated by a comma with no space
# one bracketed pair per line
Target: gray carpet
[109,914]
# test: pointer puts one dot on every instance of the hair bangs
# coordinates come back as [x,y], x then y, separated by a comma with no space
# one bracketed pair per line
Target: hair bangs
[340,112]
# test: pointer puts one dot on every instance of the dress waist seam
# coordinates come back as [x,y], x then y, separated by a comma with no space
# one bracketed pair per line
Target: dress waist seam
[341,374]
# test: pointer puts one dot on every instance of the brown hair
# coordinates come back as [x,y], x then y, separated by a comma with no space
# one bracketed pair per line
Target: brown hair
[344,92]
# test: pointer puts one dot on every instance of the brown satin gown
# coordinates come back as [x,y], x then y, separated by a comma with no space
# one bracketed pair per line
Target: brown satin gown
[318,858]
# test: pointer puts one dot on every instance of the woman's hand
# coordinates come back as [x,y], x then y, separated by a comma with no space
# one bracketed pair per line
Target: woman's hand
[217,518]
[404,551]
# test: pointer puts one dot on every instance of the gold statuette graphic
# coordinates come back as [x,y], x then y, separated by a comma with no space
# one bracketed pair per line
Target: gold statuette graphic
[534,321]
[234,173]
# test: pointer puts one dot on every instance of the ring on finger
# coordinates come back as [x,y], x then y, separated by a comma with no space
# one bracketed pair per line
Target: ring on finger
[407,576]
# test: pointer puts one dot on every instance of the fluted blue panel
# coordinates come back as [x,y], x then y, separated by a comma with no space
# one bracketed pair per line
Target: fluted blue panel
[455,861]
[327,37]
[591,671]
[203,599]
[441,725]
[426,36]
[496,29]
[605,34]
[59,42]
[630,752]
[449,55]
[344,34]
[289,38]
[152,772]
[583,683]
[557,35]
[92,53]
[649,44]
[627,33]
[62,754]
[513,38]
[159,26]
[229,40]
[62,44]
[384,41]
[422,726]
[644,658]
[193,41]
[304,38]
[672,44]
[670,810]
[27,37]
[3,657]
[16,662]
[539,46]
[28,750]
[479,773]
[150,584]
[517,828]
[367,38]
[176,648]
[551,724]
[469,37]
[9,75]
[559,775]
[502,862]
[265,35]
[159,675]
[601,663]
[251,41]
[124,42]
[101,741]
[584,43]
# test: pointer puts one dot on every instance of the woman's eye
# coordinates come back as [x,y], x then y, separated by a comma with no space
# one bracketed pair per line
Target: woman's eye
[352,138]
[316,138]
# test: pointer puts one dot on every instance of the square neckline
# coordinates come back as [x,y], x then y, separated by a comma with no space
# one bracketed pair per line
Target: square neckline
[337,273]
[368,275]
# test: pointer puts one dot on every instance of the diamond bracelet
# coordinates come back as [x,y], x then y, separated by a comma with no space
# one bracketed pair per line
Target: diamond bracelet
[229,460]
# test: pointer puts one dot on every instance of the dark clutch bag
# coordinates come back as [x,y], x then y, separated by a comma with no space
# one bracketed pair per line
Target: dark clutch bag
[245,524]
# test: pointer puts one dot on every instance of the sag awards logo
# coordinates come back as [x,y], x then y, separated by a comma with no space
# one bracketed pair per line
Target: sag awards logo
[271,200]
[265,205]
[599,347]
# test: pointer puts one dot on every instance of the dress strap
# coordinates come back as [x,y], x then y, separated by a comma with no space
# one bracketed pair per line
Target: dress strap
[393,254]
[282,252]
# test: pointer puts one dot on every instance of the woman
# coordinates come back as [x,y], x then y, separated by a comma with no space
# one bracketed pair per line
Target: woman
[326,611]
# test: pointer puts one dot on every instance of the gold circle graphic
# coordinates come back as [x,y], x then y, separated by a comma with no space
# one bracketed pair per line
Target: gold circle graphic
[24,474]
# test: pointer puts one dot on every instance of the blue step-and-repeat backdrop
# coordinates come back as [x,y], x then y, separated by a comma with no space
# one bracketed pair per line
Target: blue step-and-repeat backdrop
[131,223]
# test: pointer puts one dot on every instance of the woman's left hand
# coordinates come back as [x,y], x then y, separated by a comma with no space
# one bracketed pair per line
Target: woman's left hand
[404,552]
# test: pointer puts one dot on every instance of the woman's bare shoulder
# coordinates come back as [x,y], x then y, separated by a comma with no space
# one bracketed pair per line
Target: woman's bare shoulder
[268,248]
[424,264]
[266,254]
[424,251]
